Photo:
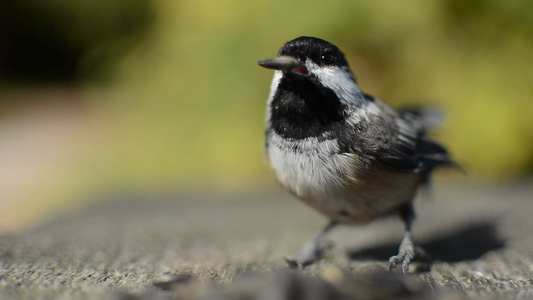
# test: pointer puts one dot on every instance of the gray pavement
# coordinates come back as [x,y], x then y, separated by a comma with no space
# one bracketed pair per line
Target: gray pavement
[207,246]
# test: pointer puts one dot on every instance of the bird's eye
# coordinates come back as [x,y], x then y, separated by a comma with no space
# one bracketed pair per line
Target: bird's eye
[327,58]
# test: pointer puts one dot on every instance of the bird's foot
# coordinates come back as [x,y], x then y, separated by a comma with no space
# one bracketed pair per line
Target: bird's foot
[406,254]
[308,255]
[295,262]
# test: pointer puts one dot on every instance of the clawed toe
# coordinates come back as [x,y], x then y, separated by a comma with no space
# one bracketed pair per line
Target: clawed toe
[405,257]
[405,260]
[309,254]
[295,262]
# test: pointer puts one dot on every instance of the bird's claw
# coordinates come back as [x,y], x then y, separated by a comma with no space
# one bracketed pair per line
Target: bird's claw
[307,256]
[298,263]
[404,259]
[405,256]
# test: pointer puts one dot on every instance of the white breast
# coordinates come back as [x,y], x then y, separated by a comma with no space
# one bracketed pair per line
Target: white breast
[328,181]
[312,170]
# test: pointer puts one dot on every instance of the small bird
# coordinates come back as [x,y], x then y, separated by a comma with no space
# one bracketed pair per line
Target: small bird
[343,152]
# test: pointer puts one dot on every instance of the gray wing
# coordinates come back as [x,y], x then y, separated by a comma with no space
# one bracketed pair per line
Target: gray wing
[409,148]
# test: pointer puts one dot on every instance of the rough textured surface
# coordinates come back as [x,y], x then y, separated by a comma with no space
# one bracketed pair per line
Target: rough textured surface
[169,246]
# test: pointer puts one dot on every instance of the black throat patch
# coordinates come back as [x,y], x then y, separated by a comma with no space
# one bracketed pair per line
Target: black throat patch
[302,108]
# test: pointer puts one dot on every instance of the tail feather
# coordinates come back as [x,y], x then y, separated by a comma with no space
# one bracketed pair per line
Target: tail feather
[429,118]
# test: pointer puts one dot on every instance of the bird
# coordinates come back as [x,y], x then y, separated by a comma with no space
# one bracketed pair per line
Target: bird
[343,152]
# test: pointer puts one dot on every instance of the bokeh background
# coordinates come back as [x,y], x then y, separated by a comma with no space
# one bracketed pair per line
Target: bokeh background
[100,97]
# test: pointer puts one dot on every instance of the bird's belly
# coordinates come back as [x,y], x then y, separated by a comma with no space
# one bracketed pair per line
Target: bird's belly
[329,183]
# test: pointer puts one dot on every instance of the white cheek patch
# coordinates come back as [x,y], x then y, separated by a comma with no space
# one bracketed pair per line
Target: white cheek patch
[339,80]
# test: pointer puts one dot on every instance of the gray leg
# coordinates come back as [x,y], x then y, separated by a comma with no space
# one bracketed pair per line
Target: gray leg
[312,250]
[407,250]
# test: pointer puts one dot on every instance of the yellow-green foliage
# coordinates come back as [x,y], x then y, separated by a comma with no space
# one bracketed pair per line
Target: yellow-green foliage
[187,106]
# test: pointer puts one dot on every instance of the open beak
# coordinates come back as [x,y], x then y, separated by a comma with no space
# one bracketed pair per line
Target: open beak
[287,64]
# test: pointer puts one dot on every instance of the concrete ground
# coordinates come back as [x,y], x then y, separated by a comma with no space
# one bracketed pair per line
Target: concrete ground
[206,246]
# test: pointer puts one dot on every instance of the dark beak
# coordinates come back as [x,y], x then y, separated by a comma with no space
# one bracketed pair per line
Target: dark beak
[287,64]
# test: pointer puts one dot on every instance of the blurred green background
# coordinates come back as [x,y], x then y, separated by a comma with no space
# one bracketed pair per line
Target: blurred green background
[99,96]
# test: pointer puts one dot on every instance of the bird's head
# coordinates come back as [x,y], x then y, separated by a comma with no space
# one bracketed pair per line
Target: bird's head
[314,60]
[312,90]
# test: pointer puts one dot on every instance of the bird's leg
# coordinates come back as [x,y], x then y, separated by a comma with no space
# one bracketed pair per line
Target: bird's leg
[407,250]
[312,250]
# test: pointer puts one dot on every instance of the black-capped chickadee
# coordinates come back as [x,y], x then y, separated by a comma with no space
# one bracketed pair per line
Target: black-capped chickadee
[341,151]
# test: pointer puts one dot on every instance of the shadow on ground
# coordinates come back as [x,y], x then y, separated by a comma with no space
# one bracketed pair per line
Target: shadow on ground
[463,244]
